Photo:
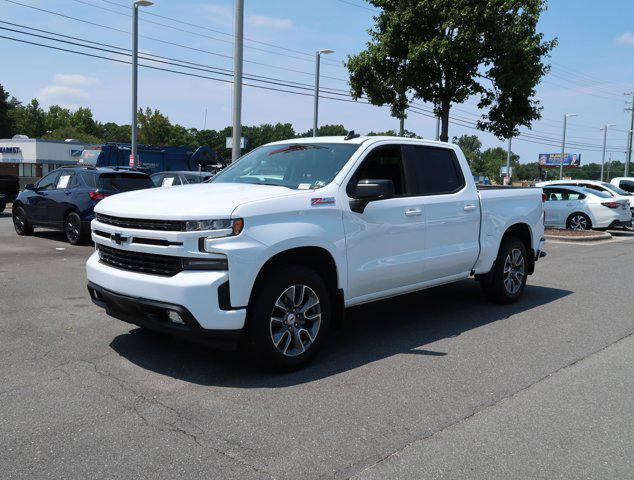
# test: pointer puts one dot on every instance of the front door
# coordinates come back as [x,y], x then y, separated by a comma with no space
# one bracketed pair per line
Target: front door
[386,243]
[40,203]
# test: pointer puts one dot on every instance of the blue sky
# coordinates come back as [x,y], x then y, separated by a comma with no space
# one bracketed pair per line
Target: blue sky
[592,66]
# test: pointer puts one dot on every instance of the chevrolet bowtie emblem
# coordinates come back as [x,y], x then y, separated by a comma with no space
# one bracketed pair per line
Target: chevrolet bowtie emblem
[118,238]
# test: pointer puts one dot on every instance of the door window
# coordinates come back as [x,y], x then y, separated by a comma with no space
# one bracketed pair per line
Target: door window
[433,170]
[382,163]
[627,185]
[48,182]
[65,180]
[562,194]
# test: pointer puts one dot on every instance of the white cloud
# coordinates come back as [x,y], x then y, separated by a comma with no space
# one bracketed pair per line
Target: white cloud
[218,12]
[264,21]
[62,91]
[626,39]
[73,79]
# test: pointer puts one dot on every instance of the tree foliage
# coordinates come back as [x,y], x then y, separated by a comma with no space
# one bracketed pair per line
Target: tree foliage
[446,51]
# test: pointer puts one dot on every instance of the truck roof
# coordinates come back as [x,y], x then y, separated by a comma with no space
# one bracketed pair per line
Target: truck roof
[359,140]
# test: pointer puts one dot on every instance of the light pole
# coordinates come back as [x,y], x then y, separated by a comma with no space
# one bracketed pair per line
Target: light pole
[563,145]
[238,47]
[318,55]
[605,137]
[134,161]
[628,153]
[508,163]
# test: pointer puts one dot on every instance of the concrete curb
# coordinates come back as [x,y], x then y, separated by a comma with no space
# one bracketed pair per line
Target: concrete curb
[600,236]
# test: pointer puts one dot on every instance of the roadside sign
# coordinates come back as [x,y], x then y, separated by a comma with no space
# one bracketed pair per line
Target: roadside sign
[548,160]
[229,142]
[131,161]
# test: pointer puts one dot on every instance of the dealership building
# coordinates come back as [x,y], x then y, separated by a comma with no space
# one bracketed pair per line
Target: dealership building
[32,158]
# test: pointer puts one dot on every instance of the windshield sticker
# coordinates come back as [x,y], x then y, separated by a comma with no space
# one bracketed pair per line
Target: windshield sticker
[303,186]
[316,202]
[63,181]
[167,182]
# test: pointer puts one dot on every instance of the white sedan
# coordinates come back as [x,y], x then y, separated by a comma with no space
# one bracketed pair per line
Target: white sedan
[612,190]
[580,208]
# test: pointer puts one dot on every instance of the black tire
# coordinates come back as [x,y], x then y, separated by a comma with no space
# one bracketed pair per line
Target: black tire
[263,328]
[502,285]
[578,221]
[21,222]
[3,205]
[74,229]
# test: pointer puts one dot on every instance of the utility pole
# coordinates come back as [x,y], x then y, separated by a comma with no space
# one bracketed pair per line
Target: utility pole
[437,128]
[134,160]
[563,145]
[605,137]
[318,55]
[628,155]
[238,47]
[401,127]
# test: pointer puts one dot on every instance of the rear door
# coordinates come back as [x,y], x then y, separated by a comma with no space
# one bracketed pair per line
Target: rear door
[60,197]
[452,211]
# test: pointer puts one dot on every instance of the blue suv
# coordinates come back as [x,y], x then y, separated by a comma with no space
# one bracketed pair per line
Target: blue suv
[65,199]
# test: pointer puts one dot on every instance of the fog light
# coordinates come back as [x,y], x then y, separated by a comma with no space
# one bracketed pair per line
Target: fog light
[174,317]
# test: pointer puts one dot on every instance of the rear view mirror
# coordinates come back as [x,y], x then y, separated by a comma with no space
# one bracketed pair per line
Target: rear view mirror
[370,190]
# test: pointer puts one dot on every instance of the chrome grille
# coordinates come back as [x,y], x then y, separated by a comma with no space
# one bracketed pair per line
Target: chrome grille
[142,224]
[149,263]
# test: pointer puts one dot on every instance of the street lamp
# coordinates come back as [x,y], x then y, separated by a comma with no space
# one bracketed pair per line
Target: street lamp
[563,145]
[135,65]
[605,137]
[318,55]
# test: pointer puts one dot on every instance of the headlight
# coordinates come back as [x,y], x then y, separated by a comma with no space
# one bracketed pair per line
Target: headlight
[222,228]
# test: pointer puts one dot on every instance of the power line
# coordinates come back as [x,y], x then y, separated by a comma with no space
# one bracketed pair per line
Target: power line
[354,4]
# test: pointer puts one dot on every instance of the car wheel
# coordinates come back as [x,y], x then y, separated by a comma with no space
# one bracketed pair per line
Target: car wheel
[21,222]
[508,279]
[289,318]
[578,221]
[3,205]
[74,230]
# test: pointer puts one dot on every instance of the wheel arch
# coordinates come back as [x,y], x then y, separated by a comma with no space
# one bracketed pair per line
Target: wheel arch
[522,231]
[316,258]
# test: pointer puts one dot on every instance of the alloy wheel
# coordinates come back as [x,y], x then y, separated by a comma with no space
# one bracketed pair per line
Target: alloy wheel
[295,320]
[73,228]
[578,222]
[514,271]
[19,221]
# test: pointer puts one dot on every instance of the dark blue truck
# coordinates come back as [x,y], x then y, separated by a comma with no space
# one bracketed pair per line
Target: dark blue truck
[151,159]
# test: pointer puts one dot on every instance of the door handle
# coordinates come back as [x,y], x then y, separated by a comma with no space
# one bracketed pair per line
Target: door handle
[413,212]
[469,208]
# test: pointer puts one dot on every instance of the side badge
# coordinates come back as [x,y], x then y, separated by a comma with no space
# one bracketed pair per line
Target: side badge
[319,201]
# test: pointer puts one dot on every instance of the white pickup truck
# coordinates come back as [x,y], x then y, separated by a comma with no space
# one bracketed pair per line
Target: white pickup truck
[272,251]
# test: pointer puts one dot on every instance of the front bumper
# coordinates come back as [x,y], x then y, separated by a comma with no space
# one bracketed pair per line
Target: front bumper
[196,292]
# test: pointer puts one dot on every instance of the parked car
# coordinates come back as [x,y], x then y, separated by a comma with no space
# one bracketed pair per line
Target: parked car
[274,248]
[580,208]
[9,189]
[65,199]
[169,179]
[624,183]
[612,190]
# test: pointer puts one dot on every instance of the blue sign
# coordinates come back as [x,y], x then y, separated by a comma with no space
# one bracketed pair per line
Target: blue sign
[571,160]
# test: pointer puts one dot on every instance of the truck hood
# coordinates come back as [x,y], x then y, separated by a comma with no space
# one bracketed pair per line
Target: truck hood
[189,202]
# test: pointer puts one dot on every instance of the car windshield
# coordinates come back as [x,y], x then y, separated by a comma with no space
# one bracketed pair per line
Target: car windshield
[616,190]
[299,166]
[124,182]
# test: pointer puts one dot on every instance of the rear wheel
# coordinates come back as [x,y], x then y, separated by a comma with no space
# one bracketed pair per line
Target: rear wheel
[74,230]
[289,318]
[578,221]
[508,278]
[3,205]
[21,222]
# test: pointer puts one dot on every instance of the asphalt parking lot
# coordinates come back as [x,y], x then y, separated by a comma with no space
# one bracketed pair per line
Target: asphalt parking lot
[438,384]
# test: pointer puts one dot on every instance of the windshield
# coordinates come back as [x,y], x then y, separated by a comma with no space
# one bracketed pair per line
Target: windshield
[616,190]
[299,166]
[124,182]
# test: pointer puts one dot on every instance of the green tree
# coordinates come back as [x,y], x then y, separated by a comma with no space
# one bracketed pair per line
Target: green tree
[493,159]
[154,127]
[327,131]
[57,117]
[265,133]
[7,118]
[471,146]
[30,119]
[526,171]
[82,120]
[446,51]
[111,132]
[64,133]
[392,133]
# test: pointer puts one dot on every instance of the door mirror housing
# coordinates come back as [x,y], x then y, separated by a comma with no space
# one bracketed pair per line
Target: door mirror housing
[367,191]
[29,186]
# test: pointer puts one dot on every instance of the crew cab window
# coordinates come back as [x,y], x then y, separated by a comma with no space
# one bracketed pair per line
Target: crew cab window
[433,170]
[383,163]
[627,185]
[48,182]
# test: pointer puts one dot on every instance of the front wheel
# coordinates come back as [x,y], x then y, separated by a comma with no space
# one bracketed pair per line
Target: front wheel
[508,278]
[578,221]
[21,222]
[289,317]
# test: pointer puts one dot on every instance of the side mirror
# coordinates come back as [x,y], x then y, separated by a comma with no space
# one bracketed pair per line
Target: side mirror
[367,191]
[29,186]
